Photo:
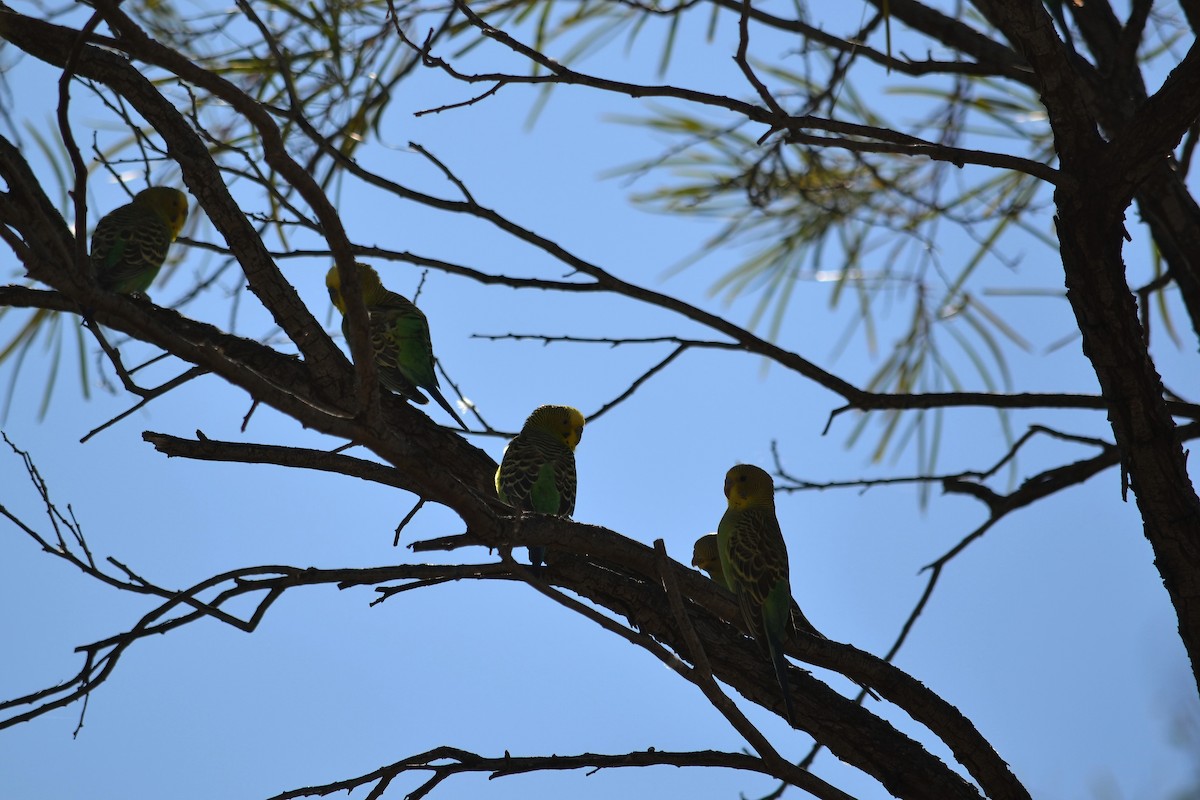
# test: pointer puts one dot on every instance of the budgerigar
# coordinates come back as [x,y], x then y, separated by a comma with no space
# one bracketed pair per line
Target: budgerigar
[399,337]
[130,243]
[754,559]
[537,472]
[706,555]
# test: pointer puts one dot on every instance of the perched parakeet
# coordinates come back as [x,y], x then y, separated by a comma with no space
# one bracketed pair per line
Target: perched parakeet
[706,555]
[130,243]
[537,472]
[755,562]
[709,555]
[399,337]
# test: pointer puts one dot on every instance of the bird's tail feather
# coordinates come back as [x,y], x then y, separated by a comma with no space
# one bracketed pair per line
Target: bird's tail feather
[780,664]
[441,401]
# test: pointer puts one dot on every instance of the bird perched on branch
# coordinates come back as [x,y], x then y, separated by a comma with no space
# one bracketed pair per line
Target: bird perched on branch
[754,559]
[130,243]
[399,337]
[706,555]
[537,471]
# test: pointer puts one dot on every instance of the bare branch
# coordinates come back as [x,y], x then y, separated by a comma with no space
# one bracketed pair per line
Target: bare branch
[147,395]
[445,762]
[300,457]
[887,141]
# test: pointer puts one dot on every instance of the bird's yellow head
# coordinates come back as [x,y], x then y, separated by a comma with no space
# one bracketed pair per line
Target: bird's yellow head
[563,422]
[368,279]
[169,205]
[747,485]
[705,554]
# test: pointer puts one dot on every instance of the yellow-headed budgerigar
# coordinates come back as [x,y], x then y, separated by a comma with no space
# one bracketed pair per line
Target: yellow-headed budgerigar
[399,337]
[537,472]
[755,562]
[706,555]
[130,243]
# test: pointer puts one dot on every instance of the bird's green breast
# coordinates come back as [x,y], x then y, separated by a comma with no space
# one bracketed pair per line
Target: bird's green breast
[544,494]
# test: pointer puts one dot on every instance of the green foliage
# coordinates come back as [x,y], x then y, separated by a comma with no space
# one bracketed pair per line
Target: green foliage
[866,225]
[56,332]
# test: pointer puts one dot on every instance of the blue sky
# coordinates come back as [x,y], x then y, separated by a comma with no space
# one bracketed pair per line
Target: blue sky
[1052,634]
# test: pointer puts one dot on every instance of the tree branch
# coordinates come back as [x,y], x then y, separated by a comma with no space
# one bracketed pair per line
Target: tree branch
[464,762]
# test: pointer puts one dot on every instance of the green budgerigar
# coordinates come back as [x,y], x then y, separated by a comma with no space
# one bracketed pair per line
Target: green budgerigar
[753,529]
[537,471]
[399,337]
[130,243]
[755,562]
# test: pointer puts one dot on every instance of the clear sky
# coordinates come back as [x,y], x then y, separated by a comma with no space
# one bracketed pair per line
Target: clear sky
[1053,633]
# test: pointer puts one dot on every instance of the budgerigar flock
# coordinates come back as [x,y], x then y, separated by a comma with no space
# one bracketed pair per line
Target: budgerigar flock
[399,337]
[130,243]
[537,472]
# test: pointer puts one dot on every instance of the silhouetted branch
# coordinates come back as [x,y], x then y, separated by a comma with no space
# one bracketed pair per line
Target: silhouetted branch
[445,762]
[616,572]
[147,395]
[301,457]
[885,140]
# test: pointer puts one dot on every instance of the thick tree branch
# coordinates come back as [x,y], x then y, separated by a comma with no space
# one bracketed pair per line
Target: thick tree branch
[297,457]
[1091,202]
[1155,129]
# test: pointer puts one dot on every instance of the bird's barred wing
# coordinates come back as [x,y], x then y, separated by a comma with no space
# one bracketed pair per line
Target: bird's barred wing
[564,479]
[386,357]
[410,348]
[518,471]
[523,464]
[129,246]
[757,561]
